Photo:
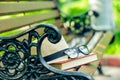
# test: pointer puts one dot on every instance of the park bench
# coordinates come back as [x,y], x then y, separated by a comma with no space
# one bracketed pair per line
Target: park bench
[21,36]
[20,56]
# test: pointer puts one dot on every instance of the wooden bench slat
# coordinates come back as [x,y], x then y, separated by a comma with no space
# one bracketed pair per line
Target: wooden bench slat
[7,8]
[58,23]
[14,23]
[91,68]
[69,37]
[104,42]
[80,40]
[20,30]
[96,37]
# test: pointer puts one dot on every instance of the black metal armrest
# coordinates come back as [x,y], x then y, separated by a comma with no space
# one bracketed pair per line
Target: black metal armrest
[13,66]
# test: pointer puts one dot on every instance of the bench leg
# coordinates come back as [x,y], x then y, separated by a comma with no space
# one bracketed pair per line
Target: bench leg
[99,68]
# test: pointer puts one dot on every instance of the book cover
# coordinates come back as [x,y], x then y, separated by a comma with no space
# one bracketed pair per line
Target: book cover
[71,63]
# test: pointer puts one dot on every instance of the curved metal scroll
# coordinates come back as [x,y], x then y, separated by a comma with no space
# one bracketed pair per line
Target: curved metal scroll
[18,63]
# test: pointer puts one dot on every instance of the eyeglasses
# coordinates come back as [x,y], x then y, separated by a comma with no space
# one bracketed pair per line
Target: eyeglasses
[77,52]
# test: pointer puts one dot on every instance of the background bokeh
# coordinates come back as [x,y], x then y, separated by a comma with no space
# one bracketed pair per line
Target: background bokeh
[75,7]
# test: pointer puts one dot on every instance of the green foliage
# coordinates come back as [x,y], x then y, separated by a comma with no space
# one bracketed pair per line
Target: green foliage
[73,7]
[116,9]
[1,53]
[114,48]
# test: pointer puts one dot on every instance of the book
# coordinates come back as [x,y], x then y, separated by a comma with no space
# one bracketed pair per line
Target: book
[82,58]
[49,49]
[74,62]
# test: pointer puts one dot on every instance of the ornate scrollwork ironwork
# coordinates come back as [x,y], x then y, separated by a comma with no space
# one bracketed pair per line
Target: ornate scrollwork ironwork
[18,63]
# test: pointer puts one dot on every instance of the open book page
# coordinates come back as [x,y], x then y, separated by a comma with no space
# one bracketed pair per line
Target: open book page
[49,48]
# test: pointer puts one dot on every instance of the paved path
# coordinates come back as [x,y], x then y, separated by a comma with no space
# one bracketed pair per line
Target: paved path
[111,73]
